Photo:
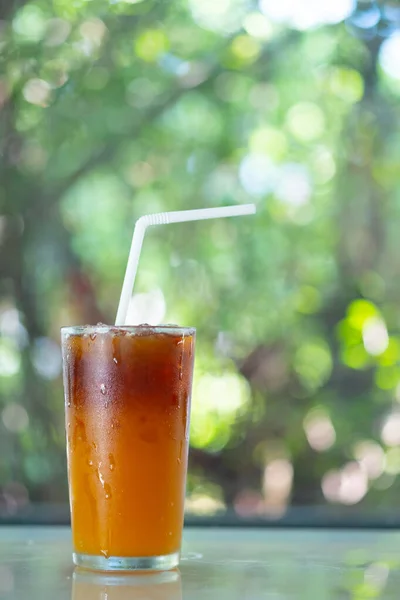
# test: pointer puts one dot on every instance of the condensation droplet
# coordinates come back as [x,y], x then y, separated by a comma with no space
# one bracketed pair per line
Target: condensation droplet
[93,336]
[181,368]
[68,403]
[179,461]
[103,389]
[90,463]
[100,476]
[115,360]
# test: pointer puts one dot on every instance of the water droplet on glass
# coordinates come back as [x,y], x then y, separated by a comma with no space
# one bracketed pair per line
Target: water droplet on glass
[181,367]
[179,461]
[100,475]
[107,490]
[112,461]
[90,463]
[93,336]
[104,553]
[68,403]
[115,360]
[103,389]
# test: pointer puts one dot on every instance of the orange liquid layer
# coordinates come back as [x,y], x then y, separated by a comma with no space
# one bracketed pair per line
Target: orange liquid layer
[127,421]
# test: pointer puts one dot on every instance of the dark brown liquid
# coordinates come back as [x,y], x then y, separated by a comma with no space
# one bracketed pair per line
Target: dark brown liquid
[127,418]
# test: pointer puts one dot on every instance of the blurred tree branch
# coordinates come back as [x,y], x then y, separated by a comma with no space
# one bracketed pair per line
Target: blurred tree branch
[109,151]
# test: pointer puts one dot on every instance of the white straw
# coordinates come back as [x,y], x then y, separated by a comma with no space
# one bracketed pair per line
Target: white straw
[180,216]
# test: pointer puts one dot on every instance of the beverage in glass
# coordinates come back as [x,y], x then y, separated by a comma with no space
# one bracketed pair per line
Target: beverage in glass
[127,402]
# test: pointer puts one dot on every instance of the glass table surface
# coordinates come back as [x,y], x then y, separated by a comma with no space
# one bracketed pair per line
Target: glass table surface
[224,563]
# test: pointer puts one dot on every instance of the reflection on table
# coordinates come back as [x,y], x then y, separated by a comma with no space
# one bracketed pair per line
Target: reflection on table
[87,585]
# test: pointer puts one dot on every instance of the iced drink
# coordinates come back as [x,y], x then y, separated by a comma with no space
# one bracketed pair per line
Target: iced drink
[127,396]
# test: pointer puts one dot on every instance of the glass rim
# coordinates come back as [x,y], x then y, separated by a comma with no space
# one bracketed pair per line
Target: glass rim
[132,329]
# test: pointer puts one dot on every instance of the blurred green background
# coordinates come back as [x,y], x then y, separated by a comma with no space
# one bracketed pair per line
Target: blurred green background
[114,109]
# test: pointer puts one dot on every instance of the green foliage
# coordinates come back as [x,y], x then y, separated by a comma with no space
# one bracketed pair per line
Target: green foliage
[115,109]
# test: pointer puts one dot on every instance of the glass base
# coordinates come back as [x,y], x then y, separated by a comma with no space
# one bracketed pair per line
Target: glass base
[126,563]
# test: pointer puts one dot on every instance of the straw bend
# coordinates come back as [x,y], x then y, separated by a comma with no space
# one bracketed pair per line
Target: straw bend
[154,219]
[179,216]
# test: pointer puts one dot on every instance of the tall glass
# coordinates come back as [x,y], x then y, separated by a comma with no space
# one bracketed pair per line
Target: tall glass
[127,403]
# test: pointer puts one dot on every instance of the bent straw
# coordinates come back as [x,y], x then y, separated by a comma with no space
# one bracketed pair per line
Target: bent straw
[179,216]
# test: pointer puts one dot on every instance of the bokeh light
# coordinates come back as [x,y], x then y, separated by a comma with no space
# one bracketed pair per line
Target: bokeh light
[293,186]
[258,26]
[348,485]
[306,121]
[11,326]
[10,360]
[319,430]
[57,31]
[375,336]
[14,417]
[392,462]
[37,91]
[30,23]
[224,16]
[307,13]
[257,174]
[46,358]
[151,44]
[390,432]
[277,485]
[147,308]
[371,457]
[216,403]
[203,505]
[389,56]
